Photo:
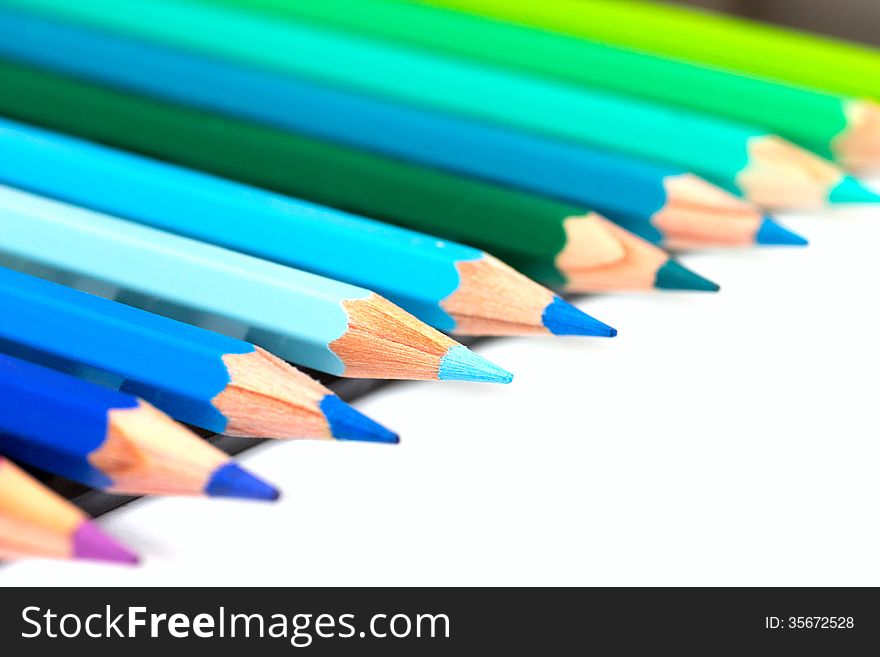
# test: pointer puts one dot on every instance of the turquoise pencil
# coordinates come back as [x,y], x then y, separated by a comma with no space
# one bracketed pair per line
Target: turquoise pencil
[453,287]
[307,319]
[196,376]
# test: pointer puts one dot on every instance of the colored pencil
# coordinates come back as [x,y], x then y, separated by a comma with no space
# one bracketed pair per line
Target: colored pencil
[741,158]
[37,522]
[844,129]
[660,204]
[454,288]
[554,243]
[109,440]
[734,43]
[196,376]
[317,322]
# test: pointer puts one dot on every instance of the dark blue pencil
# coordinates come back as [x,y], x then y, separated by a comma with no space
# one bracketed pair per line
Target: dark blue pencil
[109,440]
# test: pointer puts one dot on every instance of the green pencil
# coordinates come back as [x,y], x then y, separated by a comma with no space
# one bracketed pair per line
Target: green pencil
[836,127]
[738,44]
[743,159]
[557,243]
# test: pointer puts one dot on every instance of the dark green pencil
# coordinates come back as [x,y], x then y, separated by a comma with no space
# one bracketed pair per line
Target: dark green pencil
[558,244]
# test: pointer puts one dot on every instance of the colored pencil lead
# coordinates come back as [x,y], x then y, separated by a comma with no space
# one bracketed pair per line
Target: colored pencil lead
[89,542]
[37,522]
[674,276]
[771,233]
[852,190]
[462,364]
[562,318]
[347,423]
[230,480]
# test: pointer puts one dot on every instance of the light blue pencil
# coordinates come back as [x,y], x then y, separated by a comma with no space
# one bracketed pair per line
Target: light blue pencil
[452,287]
[313,321]
[661,204]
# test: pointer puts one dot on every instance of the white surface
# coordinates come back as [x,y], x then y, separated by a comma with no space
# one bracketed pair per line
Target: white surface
[726,440]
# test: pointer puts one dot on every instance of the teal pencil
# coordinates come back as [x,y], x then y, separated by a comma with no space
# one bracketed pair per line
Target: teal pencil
[739,157]
[309,320]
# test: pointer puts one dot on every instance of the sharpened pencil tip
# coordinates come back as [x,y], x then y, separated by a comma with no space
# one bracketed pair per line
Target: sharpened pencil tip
[562,318]
[852,190]
[230,480]
[90,542]
[462,364]
[346,423]
[675,276]
[771,233]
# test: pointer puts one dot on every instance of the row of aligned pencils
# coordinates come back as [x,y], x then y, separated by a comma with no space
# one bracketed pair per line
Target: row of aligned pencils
[196,193]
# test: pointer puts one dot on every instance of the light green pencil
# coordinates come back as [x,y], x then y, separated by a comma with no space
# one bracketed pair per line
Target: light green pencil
[744,159]
[844,129]
[738,44]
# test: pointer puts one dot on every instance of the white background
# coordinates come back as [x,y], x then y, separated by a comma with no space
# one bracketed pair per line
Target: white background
[725,439]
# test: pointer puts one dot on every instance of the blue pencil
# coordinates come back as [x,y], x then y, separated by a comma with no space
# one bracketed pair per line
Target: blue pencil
[661,204]
[309,320]
[196,376]
[109,439]
[452,287]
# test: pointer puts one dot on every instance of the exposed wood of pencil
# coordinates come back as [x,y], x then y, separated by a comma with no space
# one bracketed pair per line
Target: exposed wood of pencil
[859,146]
[385,342]
[34,521]
[495,299]
[601,256]
[268,398]
[698,213]
[781,175]
[146,452]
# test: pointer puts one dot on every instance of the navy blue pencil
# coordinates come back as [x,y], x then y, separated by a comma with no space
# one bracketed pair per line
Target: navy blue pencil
[110,440]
